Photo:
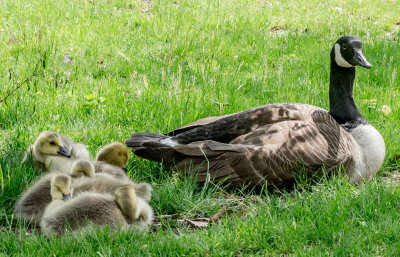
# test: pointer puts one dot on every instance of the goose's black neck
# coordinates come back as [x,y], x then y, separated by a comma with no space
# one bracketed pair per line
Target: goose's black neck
[342,106]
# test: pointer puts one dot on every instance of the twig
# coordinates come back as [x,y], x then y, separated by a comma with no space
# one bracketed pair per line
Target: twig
[224,210]
[374,121]
[26,81]
[220,104]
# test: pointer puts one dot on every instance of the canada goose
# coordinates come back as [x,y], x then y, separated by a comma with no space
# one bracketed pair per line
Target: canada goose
[100,209]
[112,160]
[82,168]
[60,187]
[34,200]
[139,215]
[116,154]
[269,144]
[60,191]
[56,152]
[103,182]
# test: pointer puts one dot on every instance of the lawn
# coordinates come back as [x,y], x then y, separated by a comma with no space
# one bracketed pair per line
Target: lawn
[98,70]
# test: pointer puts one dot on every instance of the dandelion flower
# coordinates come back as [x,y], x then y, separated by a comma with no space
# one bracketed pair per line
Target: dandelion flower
[386,110]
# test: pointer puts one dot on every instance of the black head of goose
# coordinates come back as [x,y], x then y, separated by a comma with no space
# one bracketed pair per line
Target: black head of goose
[271,143]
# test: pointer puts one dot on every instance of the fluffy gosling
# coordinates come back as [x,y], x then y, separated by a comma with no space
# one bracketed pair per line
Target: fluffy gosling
[112,159]
[94,208]
[103,182]
[139,215]
[116,154]
[30,207]
[55,152]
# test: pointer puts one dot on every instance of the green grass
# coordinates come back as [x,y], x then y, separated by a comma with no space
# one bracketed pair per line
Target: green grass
[110,68]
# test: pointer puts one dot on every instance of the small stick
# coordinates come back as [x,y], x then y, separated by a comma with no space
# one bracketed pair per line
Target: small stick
[26,81]
[372,121]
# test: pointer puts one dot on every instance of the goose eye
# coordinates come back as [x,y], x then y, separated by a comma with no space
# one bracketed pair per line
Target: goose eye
[344,46]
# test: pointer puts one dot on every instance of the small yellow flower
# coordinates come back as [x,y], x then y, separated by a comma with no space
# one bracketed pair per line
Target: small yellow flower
[386,110]
[370,102]
[90,97]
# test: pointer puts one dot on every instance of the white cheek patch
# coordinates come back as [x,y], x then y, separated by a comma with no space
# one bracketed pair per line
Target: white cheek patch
[339,58]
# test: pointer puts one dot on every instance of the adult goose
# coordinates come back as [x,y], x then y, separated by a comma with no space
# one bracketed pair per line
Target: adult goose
[271,143]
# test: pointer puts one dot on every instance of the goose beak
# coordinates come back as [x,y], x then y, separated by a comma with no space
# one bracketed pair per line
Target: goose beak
[64,152]
[359,59]
[66,197]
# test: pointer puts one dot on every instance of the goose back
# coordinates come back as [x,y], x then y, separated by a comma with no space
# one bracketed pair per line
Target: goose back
[307,139]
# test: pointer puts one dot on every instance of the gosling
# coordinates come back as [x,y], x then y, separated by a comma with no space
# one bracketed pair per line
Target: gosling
[60,191]
[30,207]
[112,159]
[116,154]
[31,204]
[89,181]
[115,210]
[141,215]
[55,152]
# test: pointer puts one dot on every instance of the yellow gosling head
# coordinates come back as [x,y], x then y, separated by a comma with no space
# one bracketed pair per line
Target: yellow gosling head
[61,187]
[82,168]
[50,143]
[116,154]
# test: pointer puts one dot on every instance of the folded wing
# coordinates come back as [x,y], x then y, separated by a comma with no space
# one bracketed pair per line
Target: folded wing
[263,145]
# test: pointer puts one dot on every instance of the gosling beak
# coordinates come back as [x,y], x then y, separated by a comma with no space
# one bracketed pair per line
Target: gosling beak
[359,59]
[66,197]
[64,152]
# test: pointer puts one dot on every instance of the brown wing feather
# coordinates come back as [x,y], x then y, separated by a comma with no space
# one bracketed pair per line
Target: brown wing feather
[227,128]
[268,144]
[196,124]
[271,154]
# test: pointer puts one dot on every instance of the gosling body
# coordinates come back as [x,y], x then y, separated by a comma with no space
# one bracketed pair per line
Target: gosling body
[31,206]
[103,182]
[88,208]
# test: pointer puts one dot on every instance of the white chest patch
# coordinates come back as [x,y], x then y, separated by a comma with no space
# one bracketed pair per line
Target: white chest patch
[339,58]
[372,148]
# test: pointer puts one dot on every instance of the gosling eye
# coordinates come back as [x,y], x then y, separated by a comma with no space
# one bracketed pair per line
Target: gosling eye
[52,143]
